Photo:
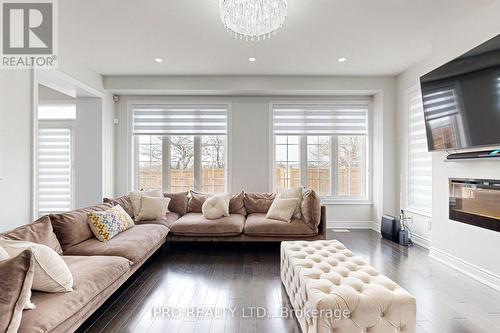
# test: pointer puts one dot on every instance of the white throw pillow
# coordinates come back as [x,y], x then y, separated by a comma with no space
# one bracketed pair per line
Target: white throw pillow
[289,193]
[51,274]
[282,209]
[3,254]
[135,198]
[152,208]
[216,206]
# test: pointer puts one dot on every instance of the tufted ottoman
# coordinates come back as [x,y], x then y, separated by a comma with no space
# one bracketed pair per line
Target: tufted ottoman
[331,290]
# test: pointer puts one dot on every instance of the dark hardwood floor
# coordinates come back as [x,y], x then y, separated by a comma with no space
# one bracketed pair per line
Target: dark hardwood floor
[204,277]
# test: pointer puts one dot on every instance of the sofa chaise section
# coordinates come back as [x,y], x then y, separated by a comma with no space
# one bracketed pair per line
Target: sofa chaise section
[95,279]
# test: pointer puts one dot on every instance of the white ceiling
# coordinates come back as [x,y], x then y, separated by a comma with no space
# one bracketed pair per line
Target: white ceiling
[379,37]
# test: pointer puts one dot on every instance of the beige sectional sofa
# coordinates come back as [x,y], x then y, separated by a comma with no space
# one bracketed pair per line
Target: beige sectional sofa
[247,221]
[100,268]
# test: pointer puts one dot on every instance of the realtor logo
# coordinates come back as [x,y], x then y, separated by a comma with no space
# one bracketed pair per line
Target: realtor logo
[28,34]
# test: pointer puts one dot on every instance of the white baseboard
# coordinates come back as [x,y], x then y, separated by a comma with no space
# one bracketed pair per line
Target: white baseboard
[488,278]
[416,239]
[421,241]
[349,224]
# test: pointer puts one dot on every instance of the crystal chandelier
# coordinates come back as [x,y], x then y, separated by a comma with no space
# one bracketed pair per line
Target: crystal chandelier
[253,20]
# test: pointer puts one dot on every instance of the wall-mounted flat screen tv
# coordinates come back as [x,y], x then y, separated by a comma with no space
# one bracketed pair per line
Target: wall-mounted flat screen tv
[461,100]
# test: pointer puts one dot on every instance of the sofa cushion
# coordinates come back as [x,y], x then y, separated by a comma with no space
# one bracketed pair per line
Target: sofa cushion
[288,193]
[258,225]
[167,221]
[216,206]
[16,277]
[237,204]
[258,202]
[72,227]
[133,244]
[92,276]
[311,209]
[109,223]
[135,198]
[50,272]
[124,202]
[178,202]
[39,232]
[196,201]
[194,224]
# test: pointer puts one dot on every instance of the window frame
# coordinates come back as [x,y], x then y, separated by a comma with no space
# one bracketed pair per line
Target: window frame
[132,143]
[334,198]
[405,186]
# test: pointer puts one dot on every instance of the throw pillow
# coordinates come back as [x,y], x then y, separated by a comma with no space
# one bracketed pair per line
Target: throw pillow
[109,223]
[40,232]
[282,209]
[153,208]
[135,198]
[3,254]
[289,193]
[51,274]
[237,204]
[123,201]
[216,206]
[258,202]
[16,278]
[178,202]
[196,201]
[311,209]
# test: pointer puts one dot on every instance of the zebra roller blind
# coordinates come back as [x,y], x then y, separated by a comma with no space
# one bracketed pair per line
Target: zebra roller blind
[419,159]
[180,119]
[54,170]
[321,119]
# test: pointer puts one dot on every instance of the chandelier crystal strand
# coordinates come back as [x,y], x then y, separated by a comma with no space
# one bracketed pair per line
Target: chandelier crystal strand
[253,20]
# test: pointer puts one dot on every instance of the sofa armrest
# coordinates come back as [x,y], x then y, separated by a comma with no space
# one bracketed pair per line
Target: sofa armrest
[323,223]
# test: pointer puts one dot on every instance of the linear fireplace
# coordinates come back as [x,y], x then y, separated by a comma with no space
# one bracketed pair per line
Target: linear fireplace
[475,202]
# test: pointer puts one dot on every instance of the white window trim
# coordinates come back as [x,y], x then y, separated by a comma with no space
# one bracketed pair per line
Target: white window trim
[132,165]
[405,186]
[55,124]
[333,199]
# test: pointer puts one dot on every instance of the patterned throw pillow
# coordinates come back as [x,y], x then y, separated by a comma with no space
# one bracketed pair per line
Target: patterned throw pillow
[107,224]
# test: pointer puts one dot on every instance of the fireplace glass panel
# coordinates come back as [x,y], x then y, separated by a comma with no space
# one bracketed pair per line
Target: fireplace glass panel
[475,202]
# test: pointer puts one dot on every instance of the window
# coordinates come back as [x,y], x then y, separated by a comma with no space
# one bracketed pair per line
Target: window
[319,165]
[180,147]
[419,171]
[323,147]
[351,159]
[150,161]
[54,170]
[287,161]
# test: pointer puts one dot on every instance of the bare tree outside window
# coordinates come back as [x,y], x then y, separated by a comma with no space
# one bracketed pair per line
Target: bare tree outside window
[350,159]
[318,164]
[150,162]
[181,163]
[213,161]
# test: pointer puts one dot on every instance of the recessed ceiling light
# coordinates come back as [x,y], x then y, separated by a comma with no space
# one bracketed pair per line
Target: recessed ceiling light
[342,59]
[252,59]
[159,60]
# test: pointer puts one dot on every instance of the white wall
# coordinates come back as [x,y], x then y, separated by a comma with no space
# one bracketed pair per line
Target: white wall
[471,249]
[88,152]
[15,148]
[250,121]
[16,135]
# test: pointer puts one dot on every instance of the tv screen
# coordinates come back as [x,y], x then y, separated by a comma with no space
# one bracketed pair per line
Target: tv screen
[461,100]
